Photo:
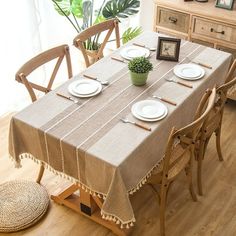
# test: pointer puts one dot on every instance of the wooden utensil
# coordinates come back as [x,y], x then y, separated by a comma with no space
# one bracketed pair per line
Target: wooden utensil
[179,82]
[103,82]
[68,97]
[124,120]
[118,59]
[143,46]
[165,100]
[204,65]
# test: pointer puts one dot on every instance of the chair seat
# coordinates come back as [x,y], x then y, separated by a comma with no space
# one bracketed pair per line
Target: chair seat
[178,152]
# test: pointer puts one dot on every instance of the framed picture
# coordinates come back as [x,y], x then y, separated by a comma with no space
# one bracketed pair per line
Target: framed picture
[168,49]
[226,4]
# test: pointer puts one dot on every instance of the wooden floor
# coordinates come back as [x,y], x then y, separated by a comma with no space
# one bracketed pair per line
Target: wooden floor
[213,214]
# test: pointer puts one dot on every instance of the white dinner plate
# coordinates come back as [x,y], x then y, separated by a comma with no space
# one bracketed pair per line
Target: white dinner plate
[131,52]
[149,110]
[189,71]
[85,88]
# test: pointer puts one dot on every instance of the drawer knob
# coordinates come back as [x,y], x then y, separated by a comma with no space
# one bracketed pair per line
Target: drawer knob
[173,19]
[218,32]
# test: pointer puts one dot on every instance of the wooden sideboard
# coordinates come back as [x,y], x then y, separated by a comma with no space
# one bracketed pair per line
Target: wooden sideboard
[198,22]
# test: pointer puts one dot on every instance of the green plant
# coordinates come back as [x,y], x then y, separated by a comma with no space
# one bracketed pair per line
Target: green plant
[140,65]
[81,15]
[131,33]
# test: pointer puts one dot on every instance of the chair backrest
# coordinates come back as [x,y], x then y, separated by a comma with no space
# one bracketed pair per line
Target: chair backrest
[231,71]
[92,34]
[55,53]
[221,93]
[222,90]
[186,136]
[231,93]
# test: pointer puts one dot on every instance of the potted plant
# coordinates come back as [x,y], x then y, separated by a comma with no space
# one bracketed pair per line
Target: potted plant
[82,14]
[139,68]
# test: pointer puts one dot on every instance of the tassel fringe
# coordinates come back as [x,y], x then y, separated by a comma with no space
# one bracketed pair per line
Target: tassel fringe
[58,173]
[105,216]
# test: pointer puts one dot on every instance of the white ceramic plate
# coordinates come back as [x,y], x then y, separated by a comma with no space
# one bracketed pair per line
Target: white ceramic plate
[147,112]
[85,88]
[149,109]
[150,120]
[189,71]
[131,52]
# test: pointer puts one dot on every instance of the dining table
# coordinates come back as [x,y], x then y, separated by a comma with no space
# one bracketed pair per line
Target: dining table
[86,142]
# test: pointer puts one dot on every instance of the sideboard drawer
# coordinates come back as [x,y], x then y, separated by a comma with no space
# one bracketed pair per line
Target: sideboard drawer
[215,30]
[172,19]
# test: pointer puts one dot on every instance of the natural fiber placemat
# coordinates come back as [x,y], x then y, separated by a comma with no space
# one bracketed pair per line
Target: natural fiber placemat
[22,204]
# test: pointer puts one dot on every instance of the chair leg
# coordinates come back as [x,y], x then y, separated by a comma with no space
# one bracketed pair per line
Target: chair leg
[199,175]
[205,147]
[40,174]
[188,171]
[218,147]
[164,189]
[200,157]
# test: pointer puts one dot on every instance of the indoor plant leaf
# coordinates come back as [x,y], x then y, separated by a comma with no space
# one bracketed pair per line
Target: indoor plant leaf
[120,8]
[62,5]
[99,19]
[76,8]
[66,7]
[131,33]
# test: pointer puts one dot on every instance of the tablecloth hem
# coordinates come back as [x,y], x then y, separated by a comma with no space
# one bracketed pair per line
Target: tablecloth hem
[144,179]
[105,215]
[17,162]
[117,220]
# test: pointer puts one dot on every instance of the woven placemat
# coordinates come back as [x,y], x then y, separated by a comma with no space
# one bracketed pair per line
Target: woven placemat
[22,204]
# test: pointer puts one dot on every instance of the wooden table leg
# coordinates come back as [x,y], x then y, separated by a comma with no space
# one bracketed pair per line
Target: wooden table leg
[87,205]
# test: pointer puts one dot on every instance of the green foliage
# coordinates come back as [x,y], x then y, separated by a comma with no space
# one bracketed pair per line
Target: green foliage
[140,65]
[120,8]
[131,33]
[81,15]
[67,7]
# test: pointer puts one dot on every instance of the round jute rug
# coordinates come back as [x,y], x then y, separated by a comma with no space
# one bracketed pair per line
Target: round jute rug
[22,204]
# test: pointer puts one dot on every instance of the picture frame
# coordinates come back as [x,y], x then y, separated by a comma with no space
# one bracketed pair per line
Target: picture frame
[226,4]
[168,49]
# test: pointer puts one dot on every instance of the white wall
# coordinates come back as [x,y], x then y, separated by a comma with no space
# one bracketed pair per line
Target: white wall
[147,14]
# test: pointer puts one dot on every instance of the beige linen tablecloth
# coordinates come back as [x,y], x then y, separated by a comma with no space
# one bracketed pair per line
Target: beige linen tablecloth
[88,143]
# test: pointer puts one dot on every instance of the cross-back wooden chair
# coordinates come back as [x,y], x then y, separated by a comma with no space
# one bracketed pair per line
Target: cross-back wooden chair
[59,52]
[80,40]
[213,124]
[178,157]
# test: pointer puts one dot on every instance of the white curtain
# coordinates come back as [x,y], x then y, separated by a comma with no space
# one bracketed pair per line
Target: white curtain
[19,41]
[27,28]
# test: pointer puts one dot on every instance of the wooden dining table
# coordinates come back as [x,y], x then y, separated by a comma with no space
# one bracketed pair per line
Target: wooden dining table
[105,159]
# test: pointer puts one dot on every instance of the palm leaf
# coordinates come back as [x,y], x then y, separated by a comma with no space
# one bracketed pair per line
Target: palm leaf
[67,7]
[99,19]
[77,8]
[120,8]
[131,33]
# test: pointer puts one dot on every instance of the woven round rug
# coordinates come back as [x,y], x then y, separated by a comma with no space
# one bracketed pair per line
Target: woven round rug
[22,204]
